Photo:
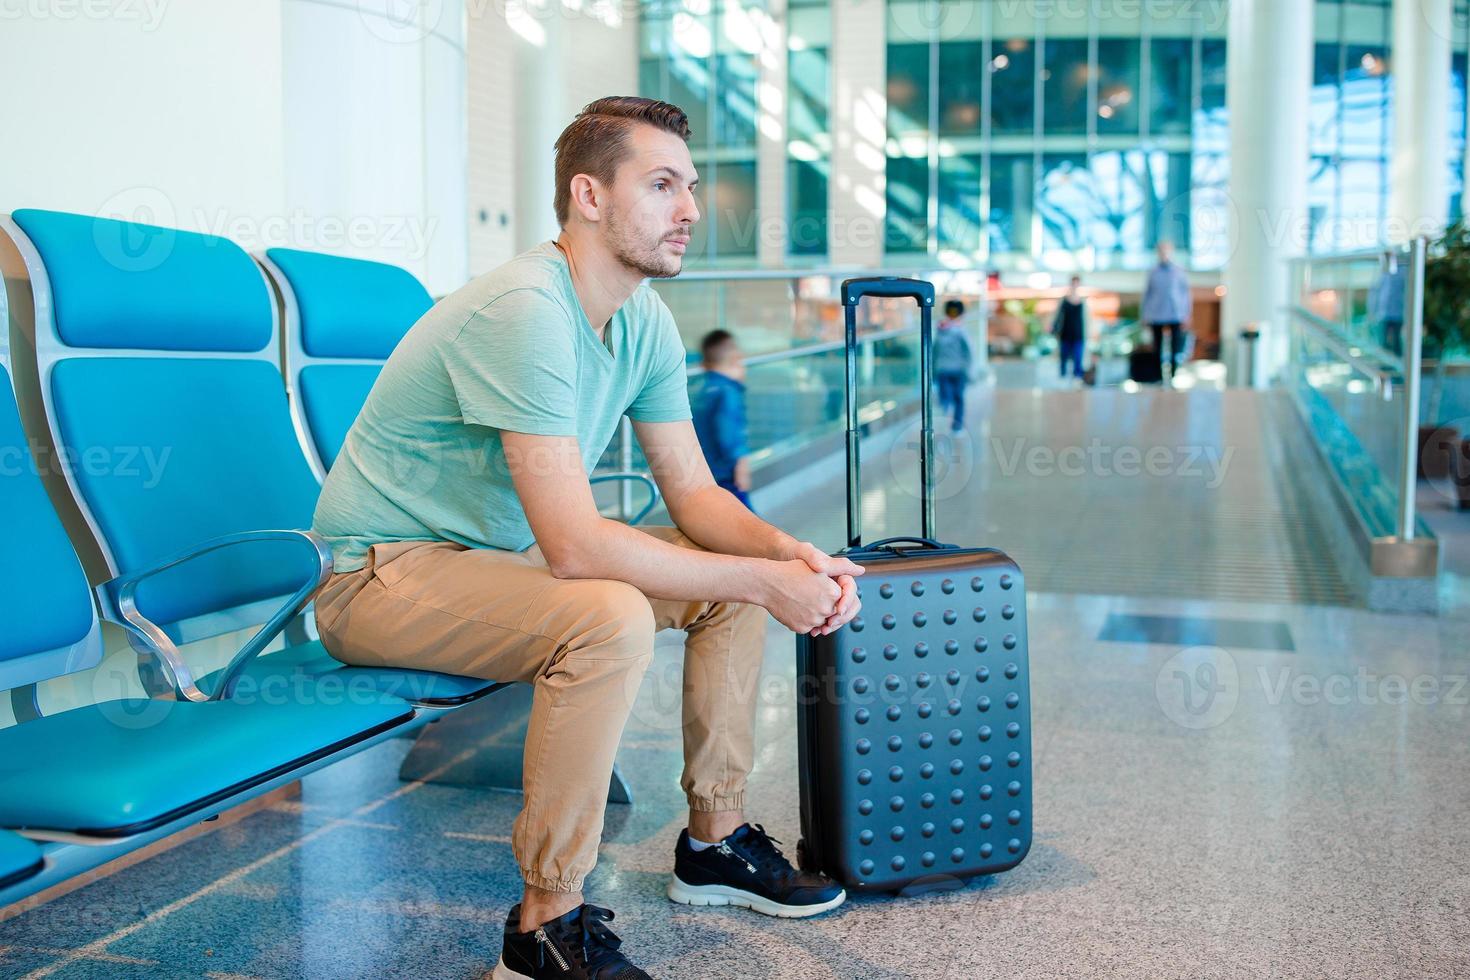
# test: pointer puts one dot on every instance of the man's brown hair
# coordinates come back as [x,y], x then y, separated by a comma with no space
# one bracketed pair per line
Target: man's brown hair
[596,142]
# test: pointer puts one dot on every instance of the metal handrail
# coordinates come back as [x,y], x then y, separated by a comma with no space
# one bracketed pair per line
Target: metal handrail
[1406,371]
[1351,352]
[806,350]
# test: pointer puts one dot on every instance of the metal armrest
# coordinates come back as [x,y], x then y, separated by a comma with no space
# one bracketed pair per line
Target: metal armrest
[635,478]
[123,589]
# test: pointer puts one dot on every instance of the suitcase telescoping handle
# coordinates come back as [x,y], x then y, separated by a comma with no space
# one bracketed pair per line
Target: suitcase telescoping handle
[853,290]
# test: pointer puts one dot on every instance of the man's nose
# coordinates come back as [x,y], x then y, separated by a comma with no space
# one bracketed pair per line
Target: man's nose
[688,208]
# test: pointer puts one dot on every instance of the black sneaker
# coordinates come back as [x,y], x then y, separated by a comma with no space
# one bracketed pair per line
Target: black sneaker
[577,946]
[747,870]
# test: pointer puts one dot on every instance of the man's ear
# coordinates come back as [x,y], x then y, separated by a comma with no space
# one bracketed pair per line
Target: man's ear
[586,197]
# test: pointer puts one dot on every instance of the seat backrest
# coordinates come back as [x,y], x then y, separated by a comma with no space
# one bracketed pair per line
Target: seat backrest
[48,623]
[342,318]
[157,353]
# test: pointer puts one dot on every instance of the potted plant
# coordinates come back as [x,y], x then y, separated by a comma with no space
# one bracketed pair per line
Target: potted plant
[1446,332]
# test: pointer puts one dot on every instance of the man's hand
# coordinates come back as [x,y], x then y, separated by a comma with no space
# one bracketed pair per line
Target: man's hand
[841,571]
[802,600]
[742,473]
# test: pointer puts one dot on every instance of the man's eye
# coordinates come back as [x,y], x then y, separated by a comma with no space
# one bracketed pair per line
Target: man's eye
[660,184]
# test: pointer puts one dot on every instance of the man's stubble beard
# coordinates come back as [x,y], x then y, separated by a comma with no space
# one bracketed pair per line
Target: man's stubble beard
[646,259]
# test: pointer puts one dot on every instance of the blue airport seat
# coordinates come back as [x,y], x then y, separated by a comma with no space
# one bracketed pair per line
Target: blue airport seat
[342,318]
[19,859]
[118,768]
[195,395]
[125,767]
[312,661]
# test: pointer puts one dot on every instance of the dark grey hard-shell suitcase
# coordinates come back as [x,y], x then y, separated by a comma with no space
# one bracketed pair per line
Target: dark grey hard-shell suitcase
[914,720]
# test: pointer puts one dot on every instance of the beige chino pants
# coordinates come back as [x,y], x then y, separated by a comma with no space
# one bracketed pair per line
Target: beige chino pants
[584,644]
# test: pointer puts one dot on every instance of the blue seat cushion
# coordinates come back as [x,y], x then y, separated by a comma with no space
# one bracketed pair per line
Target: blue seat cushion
[120,284]
[19,859]
[175,451]
[127,766]
[45,602]
[351,307]
[331,397]
[310,663]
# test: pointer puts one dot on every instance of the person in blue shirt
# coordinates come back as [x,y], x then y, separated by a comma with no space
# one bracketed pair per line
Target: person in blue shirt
[952,358]
[1167,304]
[719,413]
[1386,304]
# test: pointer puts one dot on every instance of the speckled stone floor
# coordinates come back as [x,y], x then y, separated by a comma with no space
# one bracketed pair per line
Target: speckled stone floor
[1283,810]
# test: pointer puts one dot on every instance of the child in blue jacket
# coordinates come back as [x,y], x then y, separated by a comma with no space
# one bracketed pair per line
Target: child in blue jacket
[719,413]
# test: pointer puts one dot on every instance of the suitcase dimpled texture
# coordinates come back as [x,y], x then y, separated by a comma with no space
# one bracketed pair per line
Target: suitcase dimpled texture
[914,726]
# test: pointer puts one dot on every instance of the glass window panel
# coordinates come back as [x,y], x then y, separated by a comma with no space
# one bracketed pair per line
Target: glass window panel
[1209,210]
[1012,86]
[1118,84]
[1012,184]
[907,222]
[808,81]
[735,212]
[1363,204]
[1365,101]
[1456,161]
[1171,61]
[959,203]
[689,75]
[1168,190]
[1212,75]
[1119,184]
[1322,182]
[737,105]
[807,182]
[908,88]
[1067,202]
[1064,81]
[961,72]
[1324,108]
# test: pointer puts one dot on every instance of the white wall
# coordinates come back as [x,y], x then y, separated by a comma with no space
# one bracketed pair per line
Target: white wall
[274,122]
[160,112]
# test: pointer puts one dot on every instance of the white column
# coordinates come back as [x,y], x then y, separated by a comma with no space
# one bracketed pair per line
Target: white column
[859,122]
[491,102]
[770,166]
[1418,188]
[373,109]
[539,119]
[1268,90]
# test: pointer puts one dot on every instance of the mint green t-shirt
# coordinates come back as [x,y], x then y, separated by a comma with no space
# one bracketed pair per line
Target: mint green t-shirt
[510,350]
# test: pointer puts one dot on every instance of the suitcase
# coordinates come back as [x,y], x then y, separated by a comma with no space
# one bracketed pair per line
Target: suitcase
[914,722]
[1143,367]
